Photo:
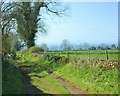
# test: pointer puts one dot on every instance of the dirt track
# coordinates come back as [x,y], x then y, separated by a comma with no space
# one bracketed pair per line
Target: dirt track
[66,84]
[70,87]
[30,89]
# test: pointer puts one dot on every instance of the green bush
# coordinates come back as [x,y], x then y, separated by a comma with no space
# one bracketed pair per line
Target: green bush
[36,49]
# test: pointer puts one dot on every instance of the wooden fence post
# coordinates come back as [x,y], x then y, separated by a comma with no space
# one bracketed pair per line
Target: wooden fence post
[89,55]
[59,53]
[68,54]
[106,54]
[76,52]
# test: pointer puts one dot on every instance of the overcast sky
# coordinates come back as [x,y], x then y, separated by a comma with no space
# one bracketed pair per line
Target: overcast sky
[92,22]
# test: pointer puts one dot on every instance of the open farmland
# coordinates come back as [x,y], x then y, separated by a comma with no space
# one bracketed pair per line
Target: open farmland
[98,54]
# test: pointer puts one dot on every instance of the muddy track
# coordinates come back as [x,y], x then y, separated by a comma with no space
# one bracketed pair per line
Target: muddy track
[73,89]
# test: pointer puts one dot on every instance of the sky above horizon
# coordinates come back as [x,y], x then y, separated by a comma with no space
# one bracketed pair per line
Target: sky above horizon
[91,22]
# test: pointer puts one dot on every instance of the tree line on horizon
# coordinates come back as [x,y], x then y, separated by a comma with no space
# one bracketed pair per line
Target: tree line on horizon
[66,45]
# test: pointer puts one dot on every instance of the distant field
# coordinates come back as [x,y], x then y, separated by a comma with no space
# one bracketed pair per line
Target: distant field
[99,54]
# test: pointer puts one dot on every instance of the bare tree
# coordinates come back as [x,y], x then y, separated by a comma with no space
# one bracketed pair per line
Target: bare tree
[66,45]
[86,46]
[8,30]
[28,17]
[113,46]
[44,46]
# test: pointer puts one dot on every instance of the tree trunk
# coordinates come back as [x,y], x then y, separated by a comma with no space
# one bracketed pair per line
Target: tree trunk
[30,43]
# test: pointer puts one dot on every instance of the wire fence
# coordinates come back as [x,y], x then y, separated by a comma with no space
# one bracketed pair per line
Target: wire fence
[106,54]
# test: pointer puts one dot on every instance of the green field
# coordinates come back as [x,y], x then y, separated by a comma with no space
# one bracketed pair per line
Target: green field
[99,54]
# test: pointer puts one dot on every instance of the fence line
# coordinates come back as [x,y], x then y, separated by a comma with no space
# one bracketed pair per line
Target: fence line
[82,53]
